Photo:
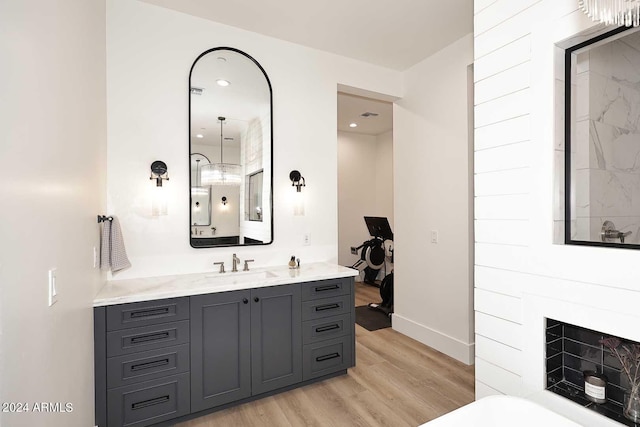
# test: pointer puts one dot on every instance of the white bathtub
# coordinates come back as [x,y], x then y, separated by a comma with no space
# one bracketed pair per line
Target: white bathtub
[502,411]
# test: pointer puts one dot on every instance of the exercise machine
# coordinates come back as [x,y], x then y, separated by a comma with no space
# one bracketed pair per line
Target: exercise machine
[373,253]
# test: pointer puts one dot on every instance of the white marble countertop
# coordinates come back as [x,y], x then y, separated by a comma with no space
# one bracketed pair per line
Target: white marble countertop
[153,288]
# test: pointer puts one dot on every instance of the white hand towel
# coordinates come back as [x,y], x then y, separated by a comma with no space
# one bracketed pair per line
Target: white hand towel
[112,252]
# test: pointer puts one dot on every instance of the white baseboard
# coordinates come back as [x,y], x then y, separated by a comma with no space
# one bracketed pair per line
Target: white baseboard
[443,343]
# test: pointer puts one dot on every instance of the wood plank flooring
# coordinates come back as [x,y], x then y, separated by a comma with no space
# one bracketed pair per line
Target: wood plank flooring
[396,382]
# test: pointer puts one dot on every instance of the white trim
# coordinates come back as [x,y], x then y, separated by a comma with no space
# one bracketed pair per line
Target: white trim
[450,346]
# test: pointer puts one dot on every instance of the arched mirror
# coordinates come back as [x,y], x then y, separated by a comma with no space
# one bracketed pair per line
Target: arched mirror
[230,146]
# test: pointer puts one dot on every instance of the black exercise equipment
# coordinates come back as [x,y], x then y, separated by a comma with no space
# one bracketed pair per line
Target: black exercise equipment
[373,254]
[373,251]
[386,293]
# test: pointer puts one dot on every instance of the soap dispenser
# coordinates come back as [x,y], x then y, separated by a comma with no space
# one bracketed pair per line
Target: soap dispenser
[292,262]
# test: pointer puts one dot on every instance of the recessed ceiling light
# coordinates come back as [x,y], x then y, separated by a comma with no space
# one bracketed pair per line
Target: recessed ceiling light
[353,125]
[199,135]
[222,82]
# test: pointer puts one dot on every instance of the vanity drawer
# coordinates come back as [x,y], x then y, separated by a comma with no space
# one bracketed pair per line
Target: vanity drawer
[148,338]
[147,313]
[150,402]
[325,289]
[147,365]
[326,307]
[325,328]
[326,357]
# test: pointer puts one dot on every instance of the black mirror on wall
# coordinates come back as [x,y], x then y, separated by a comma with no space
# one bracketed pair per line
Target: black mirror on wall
[602,129]
[230,147]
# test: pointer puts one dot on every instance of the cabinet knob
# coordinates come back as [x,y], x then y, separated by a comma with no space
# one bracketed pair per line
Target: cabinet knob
[244,300]
[256,299]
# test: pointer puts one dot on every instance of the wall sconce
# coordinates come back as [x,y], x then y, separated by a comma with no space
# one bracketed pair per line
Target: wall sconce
[159,198]
[159,172]
[224,200]
[297,180]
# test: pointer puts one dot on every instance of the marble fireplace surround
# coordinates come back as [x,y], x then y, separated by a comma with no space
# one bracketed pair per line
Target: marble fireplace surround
[609,310]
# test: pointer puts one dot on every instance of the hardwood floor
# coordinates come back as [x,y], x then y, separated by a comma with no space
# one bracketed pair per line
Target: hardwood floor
[396,382]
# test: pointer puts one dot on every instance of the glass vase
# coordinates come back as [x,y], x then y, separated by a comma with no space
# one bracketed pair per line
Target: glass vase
[631,408]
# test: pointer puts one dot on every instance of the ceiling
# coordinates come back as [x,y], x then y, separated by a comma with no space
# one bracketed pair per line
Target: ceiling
[351,108]
[391,33]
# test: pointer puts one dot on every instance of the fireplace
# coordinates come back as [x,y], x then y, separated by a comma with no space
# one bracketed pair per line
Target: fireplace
[571,351]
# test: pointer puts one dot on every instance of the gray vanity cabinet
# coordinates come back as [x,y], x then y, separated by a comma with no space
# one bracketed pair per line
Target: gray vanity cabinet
[276,338]
[220,349]
[142,362]
[163,361]
[244,343]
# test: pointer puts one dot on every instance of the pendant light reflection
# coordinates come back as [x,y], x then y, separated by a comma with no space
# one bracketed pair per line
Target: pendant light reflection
[612,12]
[221,173]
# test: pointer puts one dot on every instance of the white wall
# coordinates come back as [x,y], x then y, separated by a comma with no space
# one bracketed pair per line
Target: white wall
[53,163]
[365,188]
[149,53]
[431,164]
[384,176]
[518,147]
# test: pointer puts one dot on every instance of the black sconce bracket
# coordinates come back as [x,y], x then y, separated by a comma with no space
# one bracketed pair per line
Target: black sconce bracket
[159,172]
[297,180]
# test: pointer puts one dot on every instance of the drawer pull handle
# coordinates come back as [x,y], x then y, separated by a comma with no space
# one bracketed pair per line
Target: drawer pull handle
[149,365]
[152,337]
[327,288]
[151,312]
[150,402]
[328,328]
[327,357]
[327,307]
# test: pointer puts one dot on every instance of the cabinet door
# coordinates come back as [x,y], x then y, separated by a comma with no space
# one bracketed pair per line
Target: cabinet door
[220,349]
[276,337]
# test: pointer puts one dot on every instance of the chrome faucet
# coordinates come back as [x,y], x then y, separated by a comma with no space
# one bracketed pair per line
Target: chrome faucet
[221,264]
[609,232]
[236,260]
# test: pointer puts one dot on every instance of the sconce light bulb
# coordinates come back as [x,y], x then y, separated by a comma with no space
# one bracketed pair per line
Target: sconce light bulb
[223,82]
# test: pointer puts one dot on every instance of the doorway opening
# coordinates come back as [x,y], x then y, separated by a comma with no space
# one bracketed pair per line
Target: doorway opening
[365,188]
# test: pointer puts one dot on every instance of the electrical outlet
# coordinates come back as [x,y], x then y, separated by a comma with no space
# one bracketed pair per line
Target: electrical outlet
[306,239]
[95,257]
[52,288]
[434,236]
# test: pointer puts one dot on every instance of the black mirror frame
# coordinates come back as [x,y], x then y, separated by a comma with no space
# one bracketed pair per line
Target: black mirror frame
[567,144]
[271,201]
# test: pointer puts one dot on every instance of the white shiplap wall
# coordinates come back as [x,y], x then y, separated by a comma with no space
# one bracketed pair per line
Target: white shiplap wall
[503,155]
[518,137]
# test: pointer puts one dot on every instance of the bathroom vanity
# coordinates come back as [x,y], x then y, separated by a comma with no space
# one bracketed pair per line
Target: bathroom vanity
[173,348]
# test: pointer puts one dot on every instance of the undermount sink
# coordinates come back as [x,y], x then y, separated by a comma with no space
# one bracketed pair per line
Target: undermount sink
[241,276]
